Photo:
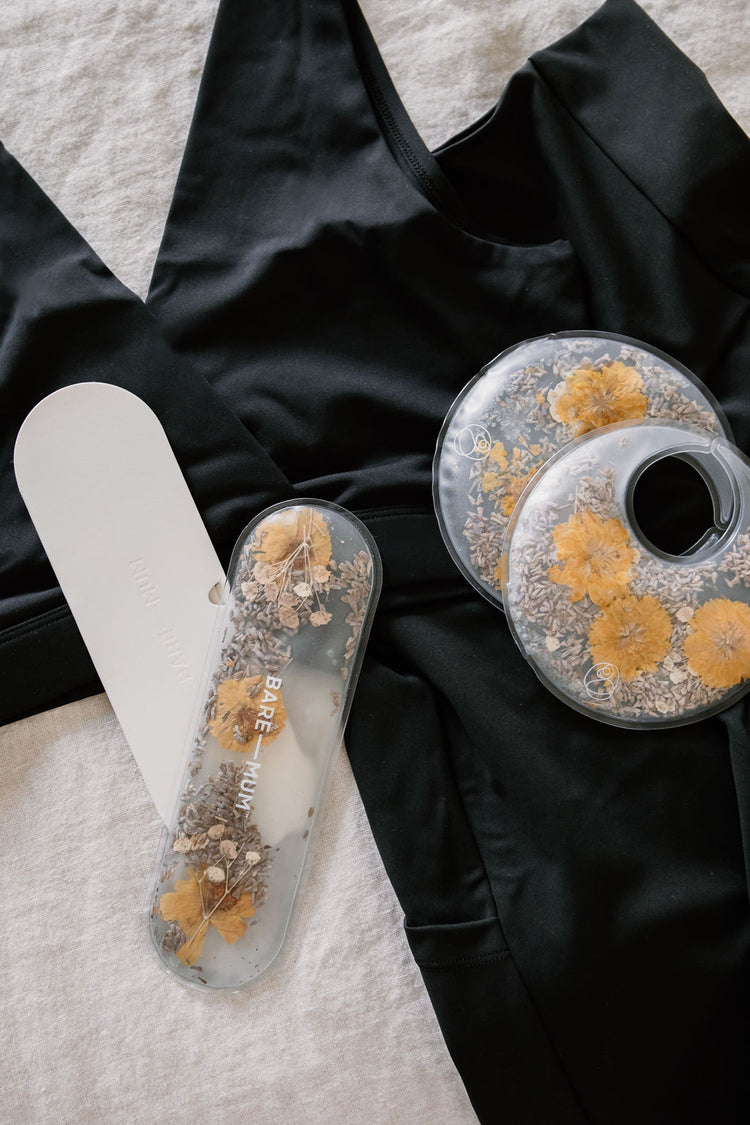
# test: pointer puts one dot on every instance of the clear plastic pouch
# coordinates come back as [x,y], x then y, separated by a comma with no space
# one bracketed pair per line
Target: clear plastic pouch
[301,590]
[527,404]
[618,629]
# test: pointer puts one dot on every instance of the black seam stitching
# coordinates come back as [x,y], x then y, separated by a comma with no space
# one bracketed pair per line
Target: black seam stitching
[477,961]
[383,108]
[35,625]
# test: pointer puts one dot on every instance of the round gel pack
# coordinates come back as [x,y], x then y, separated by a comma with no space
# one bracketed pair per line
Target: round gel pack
[527,404]
[617,628]
[300,594]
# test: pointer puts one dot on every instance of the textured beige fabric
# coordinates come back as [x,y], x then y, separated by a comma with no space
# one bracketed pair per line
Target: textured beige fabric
[95,100]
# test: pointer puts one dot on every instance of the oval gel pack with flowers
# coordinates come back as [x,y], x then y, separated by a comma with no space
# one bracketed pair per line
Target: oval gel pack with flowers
[301,590]
[527,404]
[620,630]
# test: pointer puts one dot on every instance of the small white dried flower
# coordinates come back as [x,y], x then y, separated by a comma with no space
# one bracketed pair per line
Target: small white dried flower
[249,590]
[288,618]
[183,845]
[320,617]
[320,574]
[253,858]
[272,591]
[215,874]
[216,831]
[228,849]
[303,589]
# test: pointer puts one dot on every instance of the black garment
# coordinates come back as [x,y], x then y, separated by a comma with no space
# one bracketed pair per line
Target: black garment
[575,895]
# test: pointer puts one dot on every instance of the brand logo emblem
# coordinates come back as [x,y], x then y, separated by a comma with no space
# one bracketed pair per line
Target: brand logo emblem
[601,681]
[473,442]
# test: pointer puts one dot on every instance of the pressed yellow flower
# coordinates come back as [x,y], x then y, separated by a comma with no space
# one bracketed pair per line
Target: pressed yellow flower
[632,633]
[500,573]
[596,557]
[294,539]
[246,708]
[594,397]
[499,455]
[491,481]
[197,904]
[718,648]
[514,486]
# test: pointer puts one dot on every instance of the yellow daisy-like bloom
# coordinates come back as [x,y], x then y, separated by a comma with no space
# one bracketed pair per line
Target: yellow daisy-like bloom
[198,903]
[596,557]
[598,396]
[293,539]
[245,708]
[632,633]
[718,647]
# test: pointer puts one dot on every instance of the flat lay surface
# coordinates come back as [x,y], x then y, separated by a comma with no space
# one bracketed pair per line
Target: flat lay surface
[95,103]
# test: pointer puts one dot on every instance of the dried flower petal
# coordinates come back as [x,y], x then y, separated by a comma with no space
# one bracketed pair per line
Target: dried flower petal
[594,397]
[216,831]
[242,708]
[303,589]
[596,556]
[293,536]
[215,874]
[718,646]
[252,858]
[631,633]
[186,907]
[491,481]
[498,455]
[183,845]
[320,617]
[288,618]
[228,849]
[513,486]
[320,574]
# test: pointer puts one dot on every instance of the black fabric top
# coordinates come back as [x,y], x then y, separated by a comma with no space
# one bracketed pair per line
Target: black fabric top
[575,895]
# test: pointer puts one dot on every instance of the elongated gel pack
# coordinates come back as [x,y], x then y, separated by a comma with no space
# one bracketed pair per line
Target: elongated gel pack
[301,590]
